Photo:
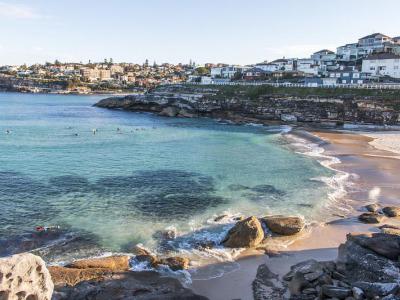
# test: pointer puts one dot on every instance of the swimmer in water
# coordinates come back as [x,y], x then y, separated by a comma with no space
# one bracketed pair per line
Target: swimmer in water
[8,131]
[75,134]
[94,131]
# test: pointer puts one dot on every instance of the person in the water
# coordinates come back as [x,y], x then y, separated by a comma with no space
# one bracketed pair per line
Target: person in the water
[94,131]
[8,131]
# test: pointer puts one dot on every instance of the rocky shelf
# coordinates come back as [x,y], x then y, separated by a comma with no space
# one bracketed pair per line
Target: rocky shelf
[243,105]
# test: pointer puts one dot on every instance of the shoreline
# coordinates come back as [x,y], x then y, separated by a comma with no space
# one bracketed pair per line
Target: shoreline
[357,155]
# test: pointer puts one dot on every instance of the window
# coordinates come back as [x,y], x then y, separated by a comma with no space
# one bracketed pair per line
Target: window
[372,68]
[396,67]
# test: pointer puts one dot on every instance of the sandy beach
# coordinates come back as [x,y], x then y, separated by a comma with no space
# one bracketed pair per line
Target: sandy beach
[372,159]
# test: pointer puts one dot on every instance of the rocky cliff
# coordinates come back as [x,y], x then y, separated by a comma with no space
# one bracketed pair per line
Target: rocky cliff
[245,105]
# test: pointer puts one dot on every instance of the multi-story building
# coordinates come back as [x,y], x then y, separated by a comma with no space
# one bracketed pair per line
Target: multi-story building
[90,74]
[104,74]
[382,64]
[347,75]
[227,72]
[285,64]
[307,66]
[373,43]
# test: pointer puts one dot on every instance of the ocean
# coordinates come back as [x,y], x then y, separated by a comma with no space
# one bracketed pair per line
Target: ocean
[109,179]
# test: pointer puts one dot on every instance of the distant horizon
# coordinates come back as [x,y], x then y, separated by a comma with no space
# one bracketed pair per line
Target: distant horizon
[177,31]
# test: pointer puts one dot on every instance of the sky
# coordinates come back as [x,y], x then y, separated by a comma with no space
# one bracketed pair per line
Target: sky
[228,31]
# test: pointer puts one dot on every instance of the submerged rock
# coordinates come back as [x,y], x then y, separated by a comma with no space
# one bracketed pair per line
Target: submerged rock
[175,263]
[373,207]
[169,111]
[284,225]
[391,211]
[371,218]
[24,276]
[245,233]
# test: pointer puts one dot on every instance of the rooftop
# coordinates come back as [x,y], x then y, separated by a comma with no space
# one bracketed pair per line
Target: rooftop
[374,35]
[324,51]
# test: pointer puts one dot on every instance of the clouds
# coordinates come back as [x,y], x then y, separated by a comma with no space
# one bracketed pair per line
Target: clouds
[16,11]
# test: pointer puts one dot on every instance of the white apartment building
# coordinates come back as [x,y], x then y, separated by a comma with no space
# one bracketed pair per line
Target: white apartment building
[307,66]
[268,67]
[382,64]
[285,64]
[227,72]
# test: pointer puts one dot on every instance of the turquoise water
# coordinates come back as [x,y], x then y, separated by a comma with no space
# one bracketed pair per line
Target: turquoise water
[140,173]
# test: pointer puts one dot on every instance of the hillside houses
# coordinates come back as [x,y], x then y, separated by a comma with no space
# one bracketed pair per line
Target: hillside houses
[382,64]
[371,57]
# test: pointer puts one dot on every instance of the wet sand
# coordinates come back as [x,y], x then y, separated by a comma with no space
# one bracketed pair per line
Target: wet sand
[375,180]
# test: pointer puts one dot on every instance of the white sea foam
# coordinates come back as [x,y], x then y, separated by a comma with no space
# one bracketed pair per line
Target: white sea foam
[339,183]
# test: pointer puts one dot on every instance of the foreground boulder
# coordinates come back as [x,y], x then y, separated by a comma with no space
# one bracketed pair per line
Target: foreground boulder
[245,233]
[371,218]
[284,225]
[63,276]
[367,268]
[367,258]
[391,211]
[386,245]
[24,276]
[128,285]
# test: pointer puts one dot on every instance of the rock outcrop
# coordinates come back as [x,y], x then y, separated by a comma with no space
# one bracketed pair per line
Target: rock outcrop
[367,268]
[284,225]
[24,276]
[129,286]
[245,233]
[112,263]
[240,104]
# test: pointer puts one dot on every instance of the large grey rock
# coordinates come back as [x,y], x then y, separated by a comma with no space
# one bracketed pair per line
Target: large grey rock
[128,286]
[284,225]
[335,291]
[245,233]
[24,276]
[311,269]
[386,245]
[358,293]
[391,211]
[267,285]
[361,264]
[377,289]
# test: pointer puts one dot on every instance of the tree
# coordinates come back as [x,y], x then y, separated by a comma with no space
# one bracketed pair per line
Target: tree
[202,71]
[57,63]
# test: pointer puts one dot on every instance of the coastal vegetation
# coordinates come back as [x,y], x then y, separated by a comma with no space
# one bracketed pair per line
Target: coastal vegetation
[254,92]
